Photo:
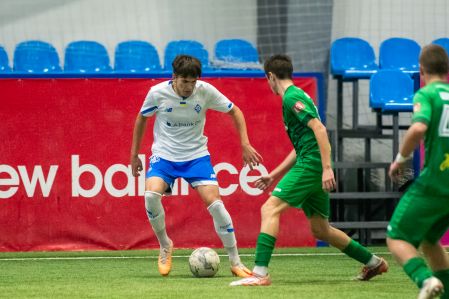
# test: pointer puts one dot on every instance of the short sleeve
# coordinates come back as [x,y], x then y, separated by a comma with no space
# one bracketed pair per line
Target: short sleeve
[149,106]
[216,100]
[422,108]
[302,107]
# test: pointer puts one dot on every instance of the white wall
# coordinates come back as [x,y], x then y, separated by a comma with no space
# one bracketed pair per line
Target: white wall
[112,21]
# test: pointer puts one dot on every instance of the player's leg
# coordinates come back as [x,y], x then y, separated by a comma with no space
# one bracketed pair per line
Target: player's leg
[291,191]
[157,183]
[201,176]
[438,260]
[317,209]
[223,226]
[373,265]
[412,220]
[270,215]
[269,229]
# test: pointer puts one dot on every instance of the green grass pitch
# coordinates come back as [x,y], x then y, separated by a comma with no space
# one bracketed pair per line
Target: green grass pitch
[296,273]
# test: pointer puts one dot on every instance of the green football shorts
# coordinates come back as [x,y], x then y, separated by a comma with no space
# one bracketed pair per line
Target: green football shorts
[419,216]
[302,188]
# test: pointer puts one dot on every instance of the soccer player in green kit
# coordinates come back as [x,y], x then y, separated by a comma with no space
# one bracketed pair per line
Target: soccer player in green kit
[422,216]
[307,179]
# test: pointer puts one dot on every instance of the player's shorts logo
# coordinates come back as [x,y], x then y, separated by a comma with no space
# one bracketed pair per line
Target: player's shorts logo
[299,106]
[154,159]
[197,108]
[445,164]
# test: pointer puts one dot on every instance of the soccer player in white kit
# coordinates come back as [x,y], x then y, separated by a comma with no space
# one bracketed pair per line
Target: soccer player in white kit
[179,150]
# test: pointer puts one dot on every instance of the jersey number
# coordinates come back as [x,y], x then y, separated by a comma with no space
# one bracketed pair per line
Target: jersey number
[444,122]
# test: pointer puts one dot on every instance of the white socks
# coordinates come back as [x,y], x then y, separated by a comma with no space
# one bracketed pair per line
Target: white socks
[156,215]
[225,229]
[373,262]
[260,270]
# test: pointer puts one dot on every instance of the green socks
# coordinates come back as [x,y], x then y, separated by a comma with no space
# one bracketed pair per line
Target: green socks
[417,270]
[264,249]
[443,275]
[358,252]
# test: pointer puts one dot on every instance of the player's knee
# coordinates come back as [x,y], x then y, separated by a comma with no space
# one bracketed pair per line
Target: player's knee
[320,232]
[153,204]
[268,210]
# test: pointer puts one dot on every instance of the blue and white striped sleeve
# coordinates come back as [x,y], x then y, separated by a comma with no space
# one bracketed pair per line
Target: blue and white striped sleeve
[149,106]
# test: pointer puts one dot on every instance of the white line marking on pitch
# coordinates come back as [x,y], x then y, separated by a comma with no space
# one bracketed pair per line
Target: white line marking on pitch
[155,257]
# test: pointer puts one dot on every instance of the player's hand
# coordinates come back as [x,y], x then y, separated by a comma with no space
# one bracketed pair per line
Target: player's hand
[328,179]
[136,166]
[264,182]
[250,156]
[396,171]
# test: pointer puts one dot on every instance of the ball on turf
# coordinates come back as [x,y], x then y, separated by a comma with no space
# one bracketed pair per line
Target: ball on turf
[204,262]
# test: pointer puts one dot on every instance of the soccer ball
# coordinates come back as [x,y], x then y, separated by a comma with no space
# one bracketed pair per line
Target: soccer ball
[204,262]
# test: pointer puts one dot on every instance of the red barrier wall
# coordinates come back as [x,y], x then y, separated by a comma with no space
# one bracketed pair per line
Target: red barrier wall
[64,177]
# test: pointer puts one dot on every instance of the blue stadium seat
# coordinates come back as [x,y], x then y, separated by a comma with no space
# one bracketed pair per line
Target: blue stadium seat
[236,51]
[36,57]
[136,56]
[399,53]
[391,91]
[86,57]
[352,57]
[188,47]
[444,42]
[4,62]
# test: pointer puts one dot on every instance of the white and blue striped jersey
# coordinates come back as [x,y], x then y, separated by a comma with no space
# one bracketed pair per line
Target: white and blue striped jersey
[179,125]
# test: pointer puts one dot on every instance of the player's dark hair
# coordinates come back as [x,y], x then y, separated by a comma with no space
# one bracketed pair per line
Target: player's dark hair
[280,65]
[434,60]
[186,66]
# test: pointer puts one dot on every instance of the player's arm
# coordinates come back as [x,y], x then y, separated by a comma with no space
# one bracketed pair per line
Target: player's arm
[265,181]
[250,156]
[411,140]
[320,132]
[138,132]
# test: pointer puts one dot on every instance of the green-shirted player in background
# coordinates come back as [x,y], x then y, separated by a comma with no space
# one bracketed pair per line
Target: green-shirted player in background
[422,216]
[308,179]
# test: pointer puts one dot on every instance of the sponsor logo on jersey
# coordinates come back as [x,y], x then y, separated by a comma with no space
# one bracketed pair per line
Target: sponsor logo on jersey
[298,107]
[417,107]
[197,108]
[187,124]
[445,164]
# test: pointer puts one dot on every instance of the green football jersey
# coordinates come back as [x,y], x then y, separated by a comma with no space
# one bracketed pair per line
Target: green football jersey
[431,106]
[298,109]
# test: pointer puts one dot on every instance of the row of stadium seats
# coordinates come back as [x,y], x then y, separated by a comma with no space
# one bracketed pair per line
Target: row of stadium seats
[392,80]
[354,57]
[391,87]
[130,56]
